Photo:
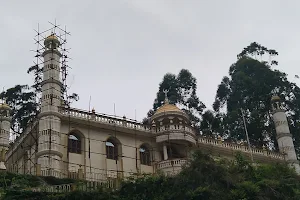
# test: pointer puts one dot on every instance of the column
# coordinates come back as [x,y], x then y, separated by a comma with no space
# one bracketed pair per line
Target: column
[165,152]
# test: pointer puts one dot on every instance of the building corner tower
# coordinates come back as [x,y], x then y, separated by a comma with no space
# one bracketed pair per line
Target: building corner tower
[5,121]
[283,135]
[49,154]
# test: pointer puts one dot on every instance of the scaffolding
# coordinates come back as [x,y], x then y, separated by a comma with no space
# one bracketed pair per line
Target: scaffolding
[38,69]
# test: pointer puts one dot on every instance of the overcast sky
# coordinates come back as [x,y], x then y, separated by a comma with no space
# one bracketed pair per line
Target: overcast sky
[121,49]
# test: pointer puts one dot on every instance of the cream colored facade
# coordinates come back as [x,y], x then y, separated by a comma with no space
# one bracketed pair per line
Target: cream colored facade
[68,142]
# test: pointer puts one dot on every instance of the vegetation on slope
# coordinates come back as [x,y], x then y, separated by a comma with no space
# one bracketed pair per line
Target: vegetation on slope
[203,178]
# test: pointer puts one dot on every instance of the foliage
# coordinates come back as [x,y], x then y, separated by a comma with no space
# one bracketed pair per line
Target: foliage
[18,181]
[181,91]
[51,180]
[24,106]
[24,100]
[205,178]
[212,123]
[249,86]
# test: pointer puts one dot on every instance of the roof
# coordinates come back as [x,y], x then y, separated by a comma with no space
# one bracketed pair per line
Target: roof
[51,37]
[167,108]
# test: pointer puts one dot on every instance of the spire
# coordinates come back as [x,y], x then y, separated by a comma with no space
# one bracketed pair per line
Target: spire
[166,96]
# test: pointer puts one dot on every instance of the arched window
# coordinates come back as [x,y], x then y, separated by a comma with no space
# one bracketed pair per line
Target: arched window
[145,155]
[111,149]
[74,144]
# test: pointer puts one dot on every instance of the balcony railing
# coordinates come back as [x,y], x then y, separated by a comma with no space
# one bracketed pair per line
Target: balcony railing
[103,118]
[237,147]
[174,128]
[167,164]
[123,122]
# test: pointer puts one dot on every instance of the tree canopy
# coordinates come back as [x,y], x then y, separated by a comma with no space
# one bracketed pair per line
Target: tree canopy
[250,85]
[182,92]
[248,88]
[23,102]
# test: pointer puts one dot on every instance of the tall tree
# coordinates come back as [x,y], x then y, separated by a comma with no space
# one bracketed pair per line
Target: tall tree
[212,123]
[24,106]
[248,88]
[24,100]
[182,91]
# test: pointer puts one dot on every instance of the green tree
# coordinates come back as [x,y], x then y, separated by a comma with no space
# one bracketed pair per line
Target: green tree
[24,99]
[182,91]
[249,86]
[24,106]
[212,123]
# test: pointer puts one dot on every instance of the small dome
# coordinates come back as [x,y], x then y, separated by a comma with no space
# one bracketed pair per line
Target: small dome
[167,108]
[51,37]
[275,98]
[4,106]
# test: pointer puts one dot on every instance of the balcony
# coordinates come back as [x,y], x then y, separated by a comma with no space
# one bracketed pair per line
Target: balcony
[175,132]
[171,167]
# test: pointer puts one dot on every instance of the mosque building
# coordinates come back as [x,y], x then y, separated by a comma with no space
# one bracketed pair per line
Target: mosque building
[68,142]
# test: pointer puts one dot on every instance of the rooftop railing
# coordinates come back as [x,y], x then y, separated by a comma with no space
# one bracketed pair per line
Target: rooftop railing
[241,148]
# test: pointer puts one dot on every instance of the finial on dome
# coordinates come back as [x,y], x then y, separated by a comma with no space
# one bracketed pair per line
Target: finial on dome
[166,96]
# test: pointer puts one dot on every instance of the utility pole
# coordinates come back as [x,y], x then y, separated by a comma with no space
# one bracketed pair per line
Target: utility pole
[247,136]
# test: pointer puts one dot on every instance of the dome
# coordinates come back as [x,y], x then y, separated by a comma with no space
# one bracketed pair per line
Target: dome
[51,37]
[275,98]
[4,106]
[167,108]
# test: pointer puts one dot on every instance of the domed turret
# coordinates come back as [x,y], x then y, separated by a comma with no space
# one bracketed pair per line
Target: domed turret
[5,120]
[174,135]
[172,125]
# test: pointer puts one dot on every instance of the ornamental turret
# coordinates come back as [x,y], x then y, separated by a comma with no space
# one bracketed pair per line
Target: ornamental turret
[49,154]
[283,134]
[173,129]
[5,121]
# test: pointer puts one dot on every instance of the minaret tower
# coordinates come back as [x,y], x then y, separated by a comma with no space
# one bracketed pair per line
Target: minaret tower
[283,135]
[49,154]
[5,120]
